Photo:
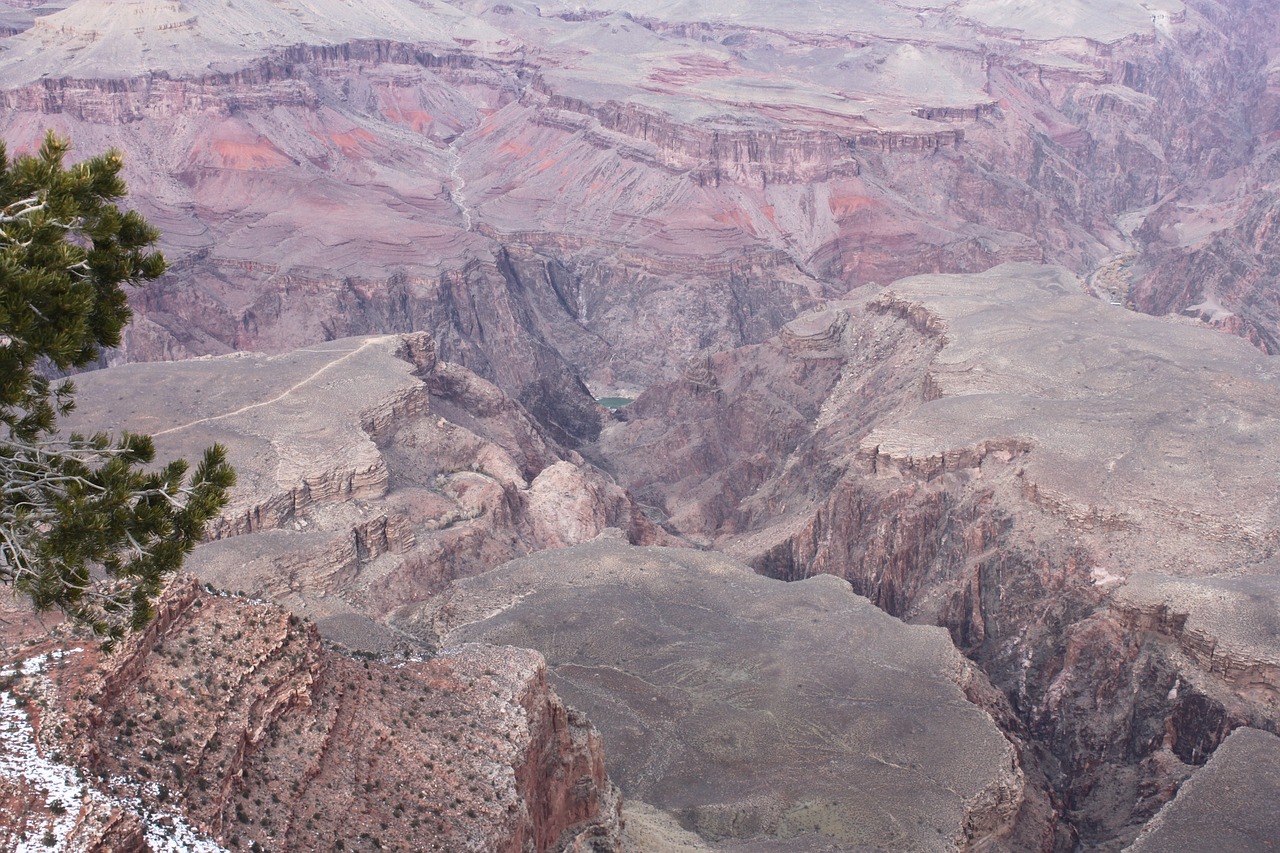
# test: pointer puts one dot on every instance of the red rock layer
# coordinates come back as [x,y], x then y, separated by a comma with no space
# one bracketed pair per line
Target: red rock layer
[236,715]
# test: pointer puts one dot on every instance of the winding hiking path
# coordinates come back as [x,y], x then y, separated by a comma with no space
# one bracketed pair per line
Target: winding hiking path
[347,354]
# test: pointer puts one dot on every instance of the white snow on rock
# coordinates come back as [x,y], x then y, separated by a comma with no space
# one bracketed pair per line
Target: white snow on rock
[22,761]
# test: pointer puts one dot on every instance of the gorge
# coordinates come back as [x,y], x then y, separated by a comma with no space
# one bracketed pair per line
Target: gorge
[945,515]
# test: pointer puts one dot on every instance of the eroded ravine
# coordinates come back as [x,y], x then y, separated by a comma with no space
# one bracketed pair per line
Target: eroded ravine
[1006,494]
[1079,496]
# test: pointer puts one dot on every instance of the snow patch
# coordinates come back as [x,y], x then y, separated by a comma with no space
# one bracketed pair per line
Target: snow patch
[63,787]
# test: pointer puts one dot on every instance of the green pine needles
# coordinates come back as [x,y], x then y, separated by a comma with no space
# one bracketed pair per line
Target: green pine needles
[87,524]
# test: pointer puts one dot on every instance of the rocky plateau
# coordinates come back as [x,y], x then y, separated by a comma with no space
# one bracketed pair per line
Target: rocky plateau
[945,516]
[752,709]
[371,474]
[1076,492]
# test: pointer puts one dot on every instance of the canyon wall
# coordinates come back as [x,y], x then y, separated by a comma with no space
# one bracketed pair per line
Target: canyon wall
[232,721]
[371,473]
[525,206]
[553,215]
[761,714]
[1082,507]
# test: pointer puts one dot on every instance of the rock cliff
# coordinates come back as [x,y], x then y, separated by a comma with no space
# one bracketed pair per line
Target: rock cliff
[500,177]
[1224,805]
[228,724]
[757,711]
[515,203]
[1075,492]
[371,473]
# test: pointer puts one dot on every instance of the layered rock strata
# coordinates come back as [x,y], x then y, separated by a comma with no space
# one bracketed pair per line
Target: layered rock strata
[371,473]
[1079,494]
[568,191]
[228,724]
[756,712]
[500,176]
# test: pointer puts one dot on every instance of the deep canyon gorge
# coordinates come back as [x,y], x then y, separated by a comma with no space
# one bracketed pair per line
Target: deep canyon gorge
[945,515]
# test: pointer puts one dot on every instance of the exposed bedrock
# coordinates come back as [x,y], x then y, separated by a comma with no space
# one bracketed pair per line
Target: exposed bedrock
[1077,493]
[232,720]
[562,194]
[1215,262]
[1226,805]
[748,155]
[371,473]
[1208,244]
[762,715]
[477,312]
[551,213]
[624,317]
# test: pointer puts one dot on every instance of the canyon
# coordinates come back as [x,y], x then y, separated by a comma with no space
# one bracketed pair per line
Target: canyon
[944,516]
[1026,496]
[549,210]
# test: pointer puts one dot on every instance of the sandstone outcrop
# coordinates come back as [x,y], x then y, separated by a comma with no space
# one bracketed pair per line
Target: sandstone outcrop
[229,725]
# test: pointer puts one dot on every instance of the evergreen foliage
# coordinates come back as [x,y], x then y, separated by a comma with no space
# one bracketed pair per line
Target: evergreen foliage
[85,524]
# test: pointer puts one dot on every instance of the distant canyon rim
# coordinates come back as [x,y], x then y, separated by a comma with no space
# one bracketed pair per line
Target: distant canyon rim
[963,308]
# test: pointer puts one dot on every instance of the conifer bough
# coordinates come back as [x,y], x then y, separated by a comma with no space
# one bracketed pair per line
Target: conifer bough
[87,525]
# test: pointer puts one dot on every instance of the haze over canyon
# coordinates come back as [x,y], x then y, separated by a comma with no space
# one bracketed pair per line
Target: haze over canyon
[945,516]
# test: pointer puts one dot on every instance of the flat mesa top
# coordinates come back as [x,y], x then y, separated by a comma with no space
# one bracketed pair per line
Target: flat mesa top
[1149,434]
[747,705]
[850,59]
[103,38]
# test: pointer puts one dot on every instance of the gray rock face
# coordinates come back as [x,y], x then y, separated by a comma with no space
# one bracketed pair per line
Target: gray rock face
[1145,438]
[994,453]
[1081,494]
[1145,443]
[1229,624]
[1229,804]
[370,474]
[750,707]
